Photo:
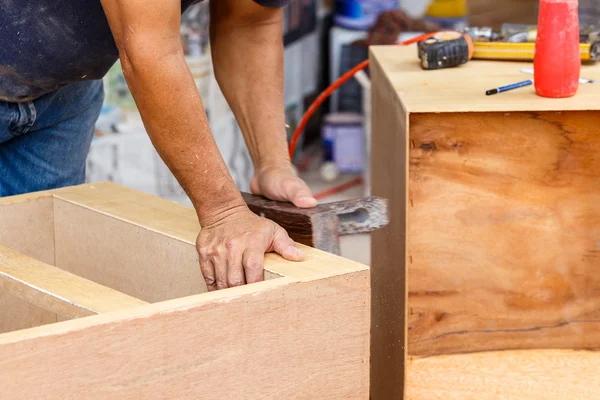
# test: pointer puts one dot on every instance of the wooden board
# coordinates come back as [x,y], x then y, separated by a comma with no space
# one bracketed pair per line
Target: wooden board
[304,334]
[54,290]
[282,342]
[388,245]
[493,242]
[504,233]
[129,258]
[463,89]
[28,227]
[17,314]
[514,375]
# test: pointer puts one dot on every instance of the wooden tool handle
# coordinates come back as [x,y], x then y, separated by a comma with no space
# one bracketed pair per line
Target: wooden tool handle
[321,226]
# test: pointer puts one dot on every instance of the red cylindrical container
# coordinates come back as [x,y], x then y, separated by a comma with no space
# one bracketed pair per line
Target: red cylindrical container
[557,61]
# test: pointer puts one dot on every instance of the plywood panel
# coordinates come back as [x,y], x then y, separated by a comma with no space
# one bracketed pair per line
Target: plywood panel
[28,227]
[273,340]
[145,247]
[514,375]
[129,258]
[52,289]
[178,222]
[504,233]
[16,313]
[388,252]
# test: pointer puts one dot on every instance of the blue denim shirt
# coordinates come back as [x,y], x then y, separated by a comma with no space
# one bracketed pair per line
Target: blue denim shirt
[47,44]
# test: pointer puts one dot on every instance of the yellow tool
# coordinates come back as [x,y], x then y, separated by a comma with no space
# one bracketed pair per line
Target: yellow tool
[524,51]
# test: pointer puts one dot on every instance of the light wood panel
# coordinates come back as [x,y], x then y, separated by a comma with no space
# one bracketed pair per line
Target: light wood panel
[514,375]
[463,89]
[388,251]
[137,208]
[504,233]
[28,226]
[54,290]
[278,339]
[17,314]
[174,221]
[126,257]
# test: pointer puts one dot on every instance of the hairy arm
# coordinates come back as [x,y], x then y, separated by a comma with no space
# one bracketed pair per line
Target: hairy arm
[148,39]
[232,242]
[247,51]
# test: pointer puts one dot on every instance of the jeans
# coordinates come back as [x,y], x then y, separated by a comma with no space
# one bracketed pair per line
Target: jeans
[44,143]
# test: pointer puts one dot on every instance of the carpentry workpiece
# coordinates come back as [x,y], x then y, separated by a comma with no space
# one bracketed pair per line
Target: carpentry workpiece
[101,297]
[485,283]
[321,226]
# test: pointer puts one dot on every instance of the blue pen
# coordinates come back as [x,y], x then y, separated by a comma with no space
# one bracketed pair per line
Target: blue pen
[509,87]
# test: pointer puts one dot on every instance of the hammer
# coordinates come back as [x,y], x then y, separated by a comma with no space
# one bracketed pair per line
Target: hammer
[321,226]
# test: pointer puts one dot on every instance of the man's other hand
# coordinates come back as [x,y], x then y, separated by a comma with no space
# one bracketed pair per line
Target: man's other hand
[281,183]
[232,249]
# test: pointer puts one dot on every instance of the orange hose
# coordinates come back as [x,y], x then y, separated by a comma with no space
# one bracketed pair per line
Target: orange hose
[321,98]
[339,82]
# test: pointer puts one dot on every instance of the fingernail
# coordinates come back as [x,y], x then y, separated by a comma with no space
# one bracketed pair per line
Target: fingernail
[308,199]
[295,252]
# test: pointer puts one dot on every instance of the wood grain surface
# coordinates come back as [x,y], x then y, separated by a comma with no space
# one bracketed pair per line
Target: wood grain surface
[167,219]
[462,89]
[510,375]
[313,227]
[321,226]
[295,340]
[504,232]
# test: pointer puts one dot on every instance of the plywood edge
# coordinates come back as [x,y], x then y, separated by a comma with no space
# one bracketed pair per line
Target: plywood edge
[376,61]
[180,222]
[305,340]
[522,374]
[208,299]
[390,127]
[53,289]
[141,209]
[22,198]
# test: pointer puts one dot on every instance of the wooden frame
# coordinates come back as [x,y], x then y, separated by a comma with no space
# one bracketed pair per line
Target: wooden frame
[101,297]
[485,283]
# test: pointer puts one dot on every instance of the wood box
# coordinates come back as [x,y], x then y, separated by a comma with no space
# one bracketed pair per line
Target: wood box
[101,297]
[486,282]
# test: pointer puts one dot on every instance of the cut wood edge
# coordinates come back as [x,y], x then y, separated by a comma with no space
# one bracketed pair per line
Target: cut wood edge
[202,340]
[180,222]
[519,374]
[147,310]
[51,288]
[8,200]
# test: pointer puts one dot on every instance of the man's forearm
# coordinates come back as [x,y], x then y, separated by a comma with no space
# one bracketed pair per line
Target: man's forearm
[174,117]
[248,63]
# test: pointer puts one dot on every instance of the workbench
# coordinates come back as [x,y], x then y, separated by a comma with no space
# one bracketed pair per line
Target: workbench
[486,282]
[101,297]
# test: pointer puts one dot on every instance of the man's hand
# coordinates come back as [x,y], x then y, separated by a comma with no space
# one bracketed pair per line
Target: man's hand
[232,248]
[281,183]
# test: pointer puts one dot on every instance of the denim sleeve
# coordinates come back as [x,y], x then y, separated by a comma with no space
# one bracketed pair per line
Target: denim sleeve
[272,3]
